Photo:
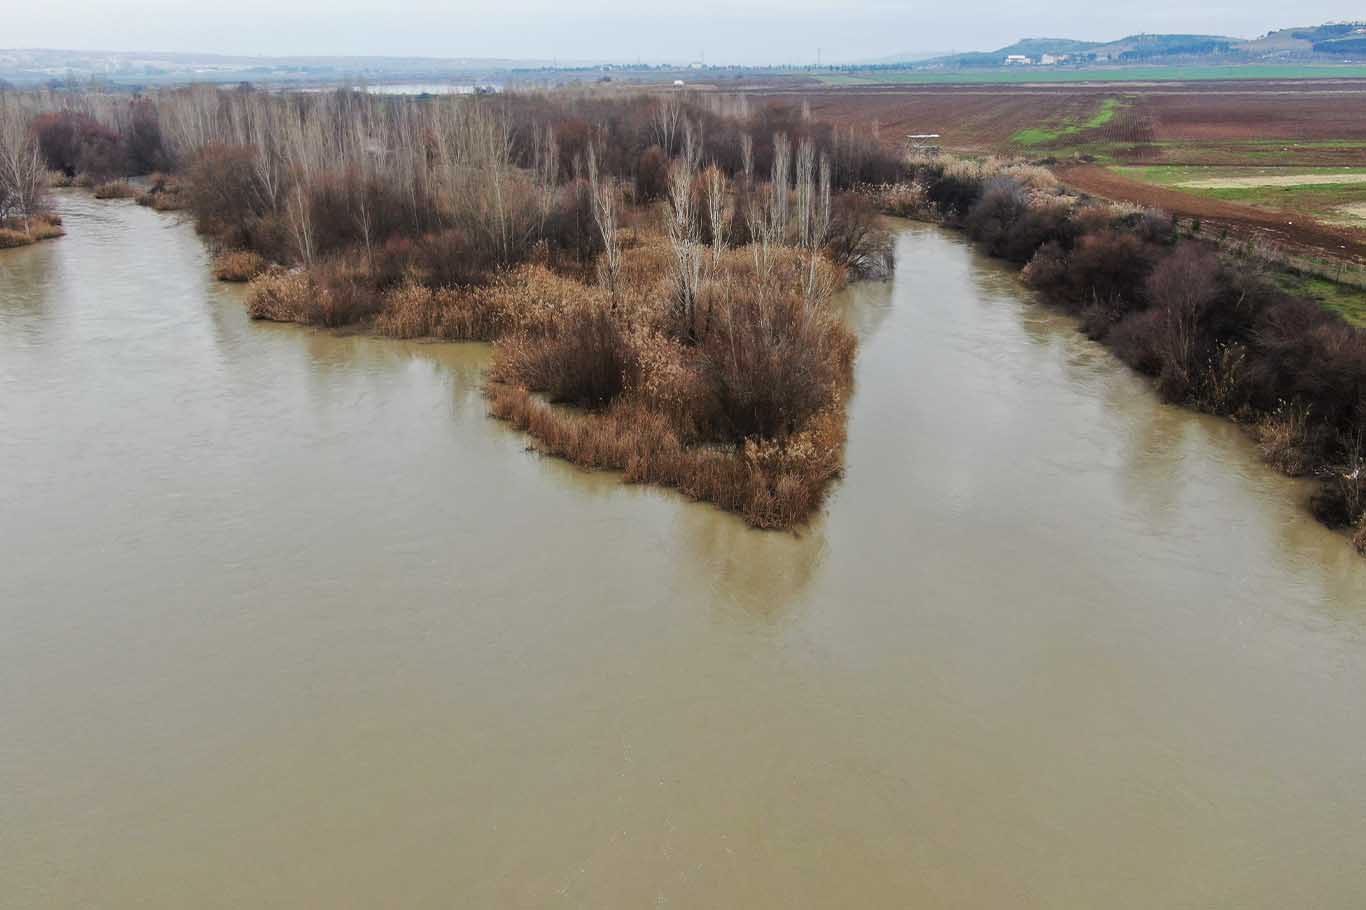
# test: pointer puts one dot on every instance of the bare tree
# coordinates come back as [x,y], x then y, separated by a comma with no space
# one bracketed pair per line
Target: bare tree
[686,247]
[605,212]
[664,121]
[23,174]
[780,182]
[719,210]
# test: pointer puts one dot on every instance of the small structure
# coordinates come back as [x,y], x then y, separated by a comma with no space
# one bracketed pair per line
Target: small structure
[678,83]
[1018,60]
[1052,59]
[922,143]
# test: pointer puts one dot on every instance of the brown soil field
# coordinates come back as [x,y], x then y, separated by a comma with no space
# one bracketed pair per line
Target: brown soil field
[1261,123]
[1294,232]
[983,118]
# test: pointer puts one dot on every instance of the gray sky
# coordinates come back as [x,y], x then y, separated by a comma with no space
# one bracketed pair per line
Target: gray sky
[727,31]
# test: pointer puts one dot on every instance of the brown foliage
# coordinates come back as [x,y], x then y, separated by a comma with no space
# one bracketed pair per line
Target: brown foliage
[115,189]
[583,361]
[238,265]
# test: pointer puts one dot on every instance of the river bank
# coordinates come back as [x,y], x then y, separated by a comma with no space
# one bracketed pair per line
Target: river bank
[1207,322]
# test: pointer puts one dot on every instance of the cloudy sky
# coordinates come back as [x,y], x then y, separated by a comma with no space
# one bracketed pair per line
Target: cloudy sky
[726,31]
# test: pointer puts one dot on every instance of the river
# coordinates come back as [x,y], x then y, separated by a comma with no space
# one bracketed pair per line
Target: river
[286,620]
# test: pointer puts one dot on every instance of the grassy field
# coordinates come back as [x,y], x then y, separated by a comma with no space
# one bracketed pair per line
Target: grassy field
[1045,135]
[1269,188]
[1027,74]
[1345,299]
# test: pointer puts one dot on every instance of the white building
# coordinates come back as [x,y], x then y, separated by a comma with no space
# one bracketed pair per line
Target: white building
[1018,60]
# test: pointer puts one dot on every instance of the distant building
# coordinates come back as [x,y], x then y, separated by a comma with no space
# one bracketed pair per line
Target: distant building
[1018,60]
[1052,59]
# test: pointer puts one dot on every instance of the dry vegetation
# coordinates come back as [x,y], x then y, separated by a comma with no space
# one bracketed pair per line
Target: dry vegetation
[24,213]
[655,272]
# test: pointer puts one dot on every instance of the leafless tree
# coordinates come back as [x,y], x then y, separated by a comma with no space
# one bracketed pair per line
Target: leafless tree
[719,210]
[23,175]
[605,213]
[664,121]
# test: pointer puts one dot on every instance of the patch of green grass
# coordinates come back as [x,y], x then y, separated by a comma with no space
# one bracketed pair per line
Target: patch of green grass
[1346,300]
[1176,174]
[1321,200]
[1023,74]
[1044,135]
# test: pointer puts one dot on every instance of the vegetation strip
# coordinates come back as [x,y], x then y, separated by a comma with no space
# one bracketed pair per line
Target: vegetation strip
[1210,324]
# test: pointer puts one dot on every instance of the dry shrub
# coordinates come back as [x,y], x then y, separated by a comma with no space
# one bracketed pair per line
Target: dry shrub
[904,200]
[337,296]
[115,189]
[772,363]
[164,193]
[856,240]
[583,361]
[22,232]
[454,314]
[770,485]
[1285,438]
[10,238]
[238,265]
[282,296]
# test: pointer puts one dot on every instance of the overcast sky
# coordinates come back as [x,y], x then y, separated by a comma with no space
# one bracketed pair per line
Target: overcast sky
[726,31]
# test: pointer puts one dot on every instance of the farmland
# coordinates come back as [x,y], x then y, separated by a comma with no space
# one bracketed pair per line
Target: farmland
[1147,142]
[1034,74]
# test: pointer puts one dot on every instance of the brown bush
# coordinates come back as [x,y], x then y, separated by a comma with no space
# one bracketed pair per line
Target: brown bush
[1109,266]
[238,265]
[857,240]
[164,193]
[225,194]
[769,365]
[1181,289]
[19,232]
[1287,440]
[282,297]
[582,361]
[77,144]
[454,314]
[449,259]
[115,189]
[777,485]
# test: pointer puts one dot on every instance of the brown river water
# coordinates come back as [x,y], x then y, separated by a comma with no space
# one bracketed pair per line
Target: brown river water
[287,621]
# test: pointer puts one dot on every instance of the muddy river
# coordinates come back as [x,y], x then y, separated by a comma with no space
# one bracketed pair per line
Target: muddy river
[287,621]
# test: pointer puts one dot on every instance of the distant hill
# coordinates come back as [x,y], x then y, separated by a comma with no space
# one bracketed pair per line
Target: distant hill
[1332,41]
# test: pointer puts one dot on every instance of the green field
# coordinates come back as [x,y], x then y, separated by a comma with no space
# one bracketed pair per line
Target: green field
[1043,135]
[1323,201]
[1347,301]
[1026,74]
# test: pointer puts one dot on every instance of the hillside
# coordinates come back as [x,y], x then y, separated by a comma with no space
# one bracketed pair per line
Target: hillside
[1332,41]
